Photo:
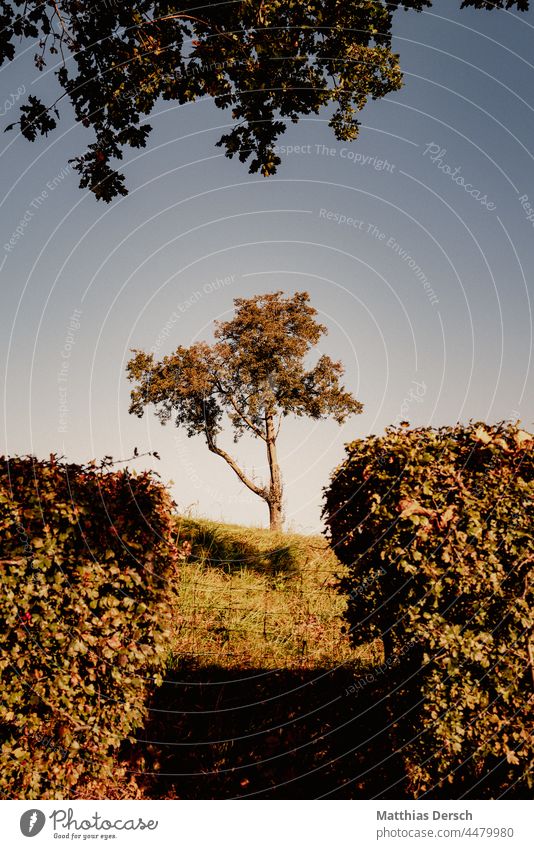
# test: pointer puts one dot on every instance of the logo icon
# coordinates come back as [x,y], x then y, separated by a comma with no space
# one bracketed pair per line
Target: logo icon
[32,822]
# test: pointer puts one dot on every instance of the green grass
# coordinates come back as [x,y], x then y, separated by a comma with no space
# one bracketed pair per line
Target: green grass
[251,598]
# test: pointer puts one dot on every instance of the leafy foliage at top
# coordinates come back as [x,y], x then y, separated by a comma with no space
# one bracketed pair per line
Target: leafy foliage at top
[255,367]
[84,617]
[268,61]
[436,529]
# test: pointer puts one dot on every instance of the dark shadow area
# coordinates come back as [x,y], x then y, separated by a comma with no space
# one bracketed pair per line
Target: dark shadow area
[217,733]
[268,734]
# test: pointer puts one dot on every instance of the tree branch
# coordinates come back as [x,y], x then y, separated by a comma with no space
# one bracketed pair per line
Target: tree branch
[66,32]
[185,16]
[258,490]
[241,415]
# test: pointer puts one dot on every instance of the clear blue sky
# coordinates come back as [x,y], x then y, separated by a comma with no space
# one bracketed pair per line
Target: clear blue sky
[428,297]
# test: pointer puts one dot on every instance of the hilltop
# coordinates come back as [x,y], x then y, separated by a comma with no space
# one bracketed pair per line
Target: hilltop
[248,597]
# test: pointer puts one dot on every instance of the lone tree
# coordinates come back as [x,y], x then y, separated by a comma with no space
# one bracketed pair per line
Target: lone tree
[254,375]
[268,61]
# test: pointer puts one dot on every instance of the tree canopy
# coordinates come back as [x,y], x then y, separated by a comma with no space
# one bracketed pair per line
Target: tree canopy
[268,61]
[253,376]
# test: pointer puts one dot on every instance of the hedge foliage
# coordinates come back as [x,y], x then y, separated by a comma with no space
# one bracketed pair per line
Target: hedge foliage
[85,558]
[436,528]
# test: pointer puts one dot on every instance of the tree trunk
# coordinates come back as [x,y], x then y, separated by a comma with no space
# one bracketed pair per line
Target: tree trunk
[275,515]
[274,499]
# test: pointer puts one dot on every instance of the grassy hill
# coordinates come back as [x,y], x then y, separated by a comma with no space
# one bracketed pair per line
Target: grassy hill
[249,597]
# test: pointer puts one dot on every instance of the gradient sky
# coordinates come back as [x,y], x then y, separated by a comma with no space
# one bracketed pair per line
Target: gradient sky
[156,268]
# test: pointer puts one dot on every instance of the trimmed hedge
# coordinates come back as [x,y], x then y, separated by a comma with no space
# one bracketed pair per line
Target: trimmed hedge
[436,529]
[85,558]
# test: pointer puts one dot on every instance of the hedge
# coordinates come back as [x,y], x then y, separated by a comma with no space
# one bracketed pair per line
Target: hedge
[85,560]
[435,526]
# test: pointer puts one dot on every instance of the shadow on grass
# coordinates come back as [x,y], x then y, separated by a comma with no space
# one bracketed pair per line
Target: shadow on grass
[232,551]
[220,733]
